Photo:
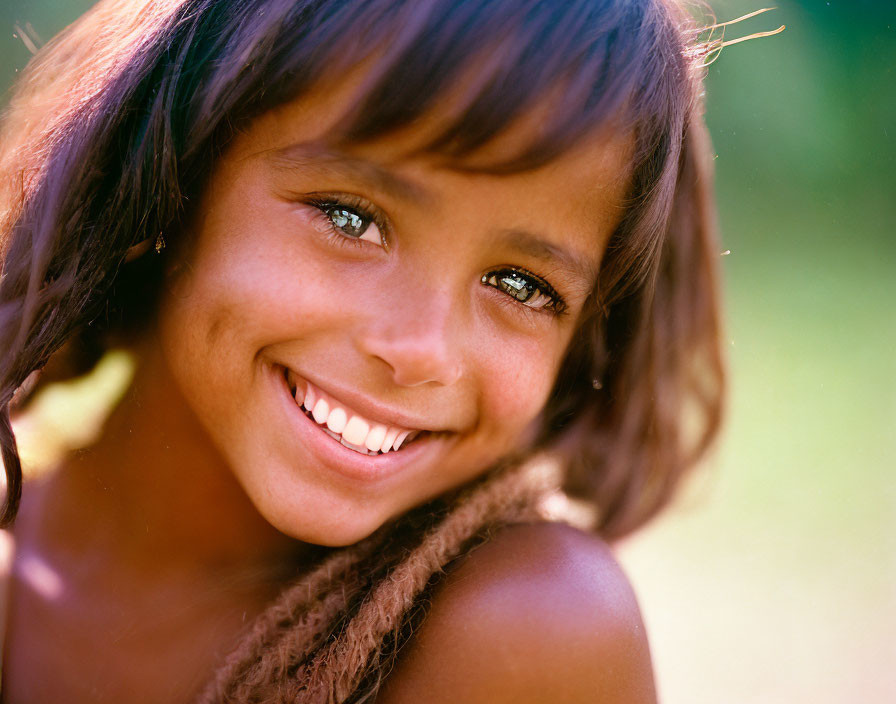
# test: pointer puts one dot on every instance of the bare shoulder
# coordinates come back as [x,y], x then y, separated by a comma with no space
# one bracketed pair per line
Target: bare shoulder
[540,613]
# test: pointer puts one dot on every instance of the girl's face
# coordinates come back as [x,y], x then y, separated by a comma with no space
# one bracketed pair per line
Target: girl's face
[336,302]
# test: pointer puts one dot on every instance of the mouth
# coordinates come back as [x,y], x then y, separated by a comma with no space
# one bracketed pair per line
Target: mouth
[351,429]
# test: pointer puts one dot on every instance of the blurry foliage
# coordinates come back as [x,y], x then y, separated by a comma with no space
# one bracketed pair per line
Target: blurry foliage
[807,120]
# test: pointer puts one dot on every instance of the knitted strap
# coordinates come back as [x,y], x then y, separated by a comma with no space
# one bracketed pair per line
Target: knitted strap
[334,674]
[308,648]
[285,614]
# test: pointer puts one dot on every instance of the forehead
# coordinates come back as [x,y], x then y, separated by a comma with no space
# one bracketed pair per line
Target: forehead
[578,197]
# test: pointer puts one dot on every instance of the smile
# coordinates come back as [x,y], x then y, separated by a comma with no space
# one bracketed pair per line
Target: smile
[345,425]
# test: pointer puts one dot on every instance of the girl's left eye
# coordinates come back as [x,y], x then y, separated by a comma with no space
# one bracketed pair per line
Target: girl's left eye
[530,290]
[350,220]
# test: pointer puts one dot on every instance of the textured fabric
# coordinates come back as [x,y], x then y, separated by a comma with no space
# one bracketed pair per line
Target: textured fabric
[331,637]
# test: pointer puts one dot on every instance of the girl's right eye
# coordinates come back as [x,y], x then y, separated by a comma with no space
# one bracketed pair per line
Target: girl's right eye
[350,221]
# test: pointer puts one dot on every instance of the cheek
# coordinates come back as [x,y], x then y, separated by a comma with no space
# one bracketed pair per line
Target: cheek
[518,375]
[251,263]
[249,285]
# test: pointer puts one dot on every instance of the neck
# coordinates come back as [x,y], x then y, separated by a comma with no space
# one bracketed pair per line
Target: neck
[154,492]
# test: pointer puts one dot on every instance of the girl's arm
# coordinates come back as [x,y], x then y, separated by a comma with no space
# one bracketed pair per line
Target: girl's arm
[541,614]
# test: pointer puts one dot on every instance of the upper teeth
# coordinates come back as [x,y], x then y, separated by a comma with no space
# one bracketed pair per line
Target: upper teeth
[353,429]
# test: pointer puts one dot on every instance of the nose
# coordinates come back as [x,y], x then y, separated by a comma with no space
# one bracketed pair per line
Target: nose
[418,338]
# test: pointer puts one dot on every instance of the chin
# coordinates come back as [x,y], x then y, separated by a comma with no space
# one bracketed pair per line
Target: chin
[328,523]
[340,537]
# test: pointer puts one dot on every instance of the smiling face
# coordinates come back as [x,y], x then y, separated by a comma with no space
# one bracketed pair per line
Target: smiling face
[339,304]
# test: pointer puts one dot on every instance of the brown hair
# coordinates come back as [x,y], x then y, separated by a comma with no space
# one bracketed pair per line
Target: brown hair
[115,127]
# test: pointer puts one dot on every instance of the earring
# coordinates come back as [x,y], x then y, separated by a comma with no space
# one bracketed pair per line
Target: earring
[596,384]
[160,243]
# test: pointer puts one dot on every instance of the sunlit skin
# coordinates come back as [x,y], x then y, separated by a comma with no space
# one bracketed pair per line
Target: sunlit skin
[209,473]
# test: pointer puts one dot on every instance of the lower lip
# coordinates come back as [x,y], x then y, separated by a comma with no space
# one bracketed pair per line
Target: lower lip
[339,459]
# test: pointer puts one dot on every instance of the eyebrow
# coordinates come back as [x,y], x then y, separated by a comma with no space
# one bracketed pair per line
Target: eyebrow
[539,248]
[317,156]
[310,156]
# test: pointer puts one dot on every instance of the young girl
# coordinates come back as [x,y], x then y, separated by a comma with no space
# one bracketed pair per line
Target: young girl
[394,272]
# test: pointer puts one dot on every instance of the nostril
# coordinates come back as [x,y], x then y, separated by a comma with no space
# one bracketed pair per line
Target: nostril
[417,364]
[418,347]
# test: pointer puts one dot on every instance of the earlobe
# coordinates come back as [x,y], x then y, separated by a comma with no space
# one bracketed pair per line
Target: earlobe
[138,250]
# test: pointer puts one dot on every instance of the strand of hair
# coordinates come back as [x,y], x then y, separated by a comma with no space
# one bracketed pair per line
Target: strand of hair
[700,30]
[756,35]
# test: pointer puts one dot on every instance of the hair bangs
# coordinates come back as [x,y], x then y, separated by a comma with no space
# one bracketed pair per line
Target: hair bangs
[575,67]
[570,67]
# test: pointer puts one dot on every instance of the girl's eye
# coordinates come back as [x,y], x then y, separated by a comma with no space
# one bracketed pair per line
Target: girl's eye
[351,221]
[526,288]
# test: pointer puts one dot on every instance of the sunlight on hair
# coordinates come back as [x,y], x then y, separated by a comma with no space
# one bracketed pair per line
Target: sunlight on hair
[127,26]
[711,47]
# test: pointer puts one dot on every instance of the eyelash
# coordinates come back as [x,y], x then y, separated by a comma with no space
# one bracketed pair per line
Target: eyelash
[537,286]
[367,211]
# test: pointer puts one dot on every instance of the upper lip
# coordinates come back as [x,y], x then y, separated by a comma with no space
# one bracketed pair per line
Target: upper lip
[369,409]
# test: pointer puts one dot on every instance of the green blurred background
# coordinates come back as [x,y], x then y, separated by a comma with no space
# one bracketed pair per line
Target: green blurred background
[773,579]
